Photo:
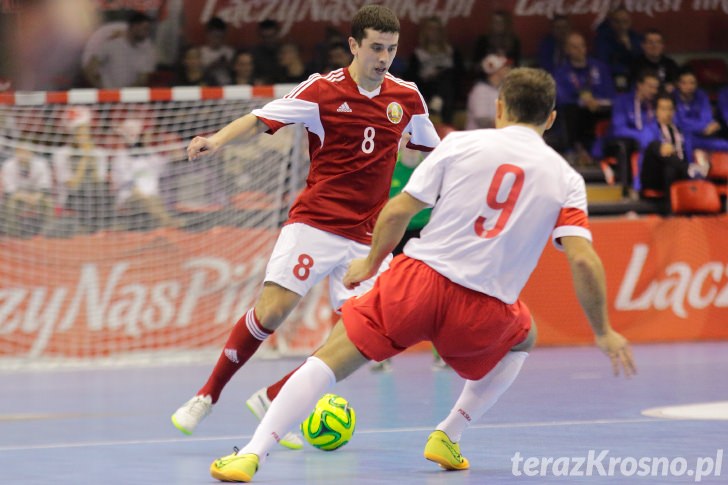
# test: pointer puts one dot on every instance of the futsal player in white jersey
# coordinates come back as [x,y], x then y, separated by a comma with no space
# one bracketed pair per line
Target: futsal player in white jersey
[498,196]
[355,118]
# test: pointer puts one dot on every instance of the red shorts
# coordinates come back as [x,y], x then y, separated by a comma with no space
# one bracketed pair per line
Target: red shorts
[411,303]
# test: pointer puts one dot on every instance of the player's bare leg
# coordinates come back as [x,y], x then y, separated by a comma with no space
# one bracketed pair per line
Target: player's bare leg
[270,310]
[476,398]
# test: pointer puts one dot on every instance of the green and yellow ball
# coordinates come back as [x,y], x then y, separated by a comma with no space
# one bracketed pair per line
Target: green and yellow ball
[331,424]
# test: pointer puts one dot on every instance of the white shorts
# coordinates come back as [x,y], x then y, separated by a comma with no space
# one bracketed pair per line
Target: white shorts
[304,255]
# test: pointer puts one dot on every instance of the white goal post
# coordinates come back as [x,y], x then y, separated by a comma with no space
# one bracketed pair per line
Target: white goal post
[115,247]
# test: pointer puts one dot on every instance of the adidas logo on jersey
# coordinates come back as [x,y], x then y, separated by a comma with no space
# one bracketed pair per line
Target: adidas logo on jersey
[344,108]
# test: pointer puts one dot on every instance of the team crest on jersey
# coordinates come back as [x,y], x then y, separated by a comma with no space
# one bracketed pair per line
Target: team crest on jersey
[395,112]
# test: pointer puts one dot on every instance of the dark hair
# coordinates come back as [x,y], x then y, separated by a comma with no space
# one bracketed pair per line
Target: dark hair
[242,51]
[268,24]
[339,45]
[529,95]
[685,70]
[664,97]
[652,31]
[375,17]
[136,17]
[645,73]
[216,23]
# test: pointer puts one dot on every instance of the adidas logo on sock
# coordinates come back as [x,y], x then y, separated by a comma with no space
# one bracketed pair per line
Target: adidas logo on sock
[344,108]
[232,355]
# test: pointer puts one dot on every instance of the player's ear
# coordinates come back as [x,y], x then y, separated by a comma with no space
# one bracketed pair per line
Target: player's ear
[500,111]
[550,120]
[353,46]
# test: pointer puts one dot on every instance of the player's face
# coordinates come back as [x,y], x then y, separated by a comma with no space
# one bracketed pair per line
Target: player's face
[576,48]
[665,111]
[374,56]
[648,88]
[687,84]
[653,46]
[140,32]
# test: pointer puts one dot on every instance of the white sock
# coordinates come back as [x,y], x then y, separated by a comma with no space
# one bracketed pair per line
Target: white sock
[479,396]
[297,398]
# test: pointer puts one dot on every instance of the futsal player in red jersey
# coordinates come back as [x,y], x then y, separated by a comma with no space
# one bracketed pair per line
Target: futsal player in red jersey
[355,118]
[498,196]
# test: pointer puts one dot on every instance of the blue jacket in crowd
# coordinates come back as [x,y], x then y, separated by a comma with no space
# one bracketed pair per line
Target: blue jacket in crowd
[723,104]
[693,116]
[630,122]
[594,77]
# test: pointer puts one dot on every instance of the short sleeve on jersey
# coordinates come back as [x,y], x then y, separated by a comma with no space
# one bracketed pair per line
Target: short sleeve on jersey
[281,112]
[298,106]
[424,135]
[426,181]
[573,219]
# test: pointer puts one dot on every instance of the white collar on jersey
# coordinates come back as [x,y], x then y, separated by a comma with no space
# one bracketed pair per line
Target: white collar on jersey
[523,129]
[370,94]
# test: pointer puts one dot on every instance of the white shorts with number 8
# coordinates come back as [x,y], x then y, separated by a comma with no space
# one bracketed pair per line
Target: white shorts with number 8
[304,255]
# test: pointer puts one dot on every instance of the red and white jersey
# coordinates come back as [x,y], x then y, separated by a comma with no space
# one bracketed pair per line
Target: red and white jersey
[500,194]
[353,140]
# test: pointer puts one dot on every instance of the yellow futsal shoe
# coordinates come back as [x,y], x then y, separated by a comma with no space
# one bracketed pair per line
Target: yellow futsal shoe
[444,452]
[234,467]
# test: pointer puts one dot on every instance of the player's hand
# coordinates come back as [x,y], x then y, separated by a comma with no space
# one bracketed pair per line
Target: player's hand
[713,127]
[199,147]
[667,149]
[617,349]
[359,270]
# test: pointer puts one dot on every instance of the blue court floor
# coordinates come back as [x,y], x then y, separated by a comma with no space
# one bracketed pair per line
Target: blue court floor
[111,426]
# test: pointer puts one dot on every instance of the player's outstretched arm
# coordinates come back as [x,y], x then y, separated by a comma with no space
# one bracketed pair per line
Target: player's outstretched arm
[388,231]
[244,127]
[591,290]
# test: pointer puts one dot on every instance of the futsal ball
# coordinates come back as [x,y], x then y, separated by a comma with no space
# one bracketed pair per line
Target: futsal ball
[331,424]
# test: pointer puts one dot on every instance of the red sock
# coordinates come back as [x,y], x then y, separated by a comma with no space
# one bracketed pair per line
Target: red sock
[273,390]
[244,340]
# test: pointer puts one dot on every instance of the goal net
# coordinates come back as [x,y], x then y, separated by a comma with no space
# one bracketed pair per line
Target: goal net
[114,247]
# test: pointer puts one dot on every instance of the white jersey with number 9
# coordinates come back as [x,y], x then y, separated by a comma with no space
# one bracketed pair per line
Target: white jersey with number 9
[500,195]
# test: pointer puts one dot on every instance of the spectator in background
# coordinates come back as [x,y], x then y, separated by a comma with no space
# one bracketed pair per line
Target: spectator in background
[265,53]
[135,176]
[125,59]
[291,66]
[339,57]
[695,114]
[666,157]
[653,57]
[618,46]
[215,55]
[27,183]
[435,66]
[243,69]
[500,39]
[191,71]
[632,112]
[585,92]
[321,61]
[722,108]
[551,49]
[81,170]
[482,97]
